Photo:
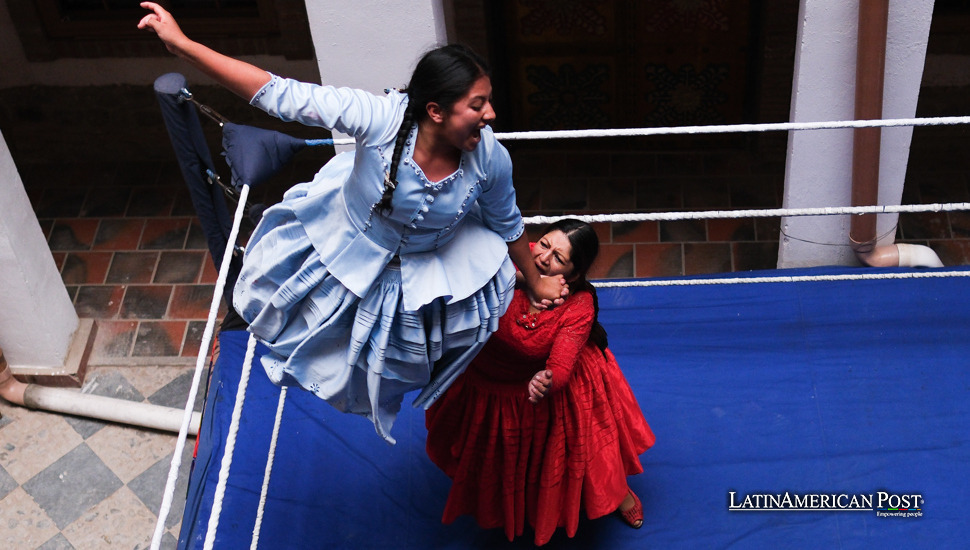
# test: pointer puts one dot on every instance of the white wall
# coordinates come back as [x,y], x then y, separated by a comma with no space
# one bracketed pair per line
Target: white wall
[819,166]
[37,319]
[372,44]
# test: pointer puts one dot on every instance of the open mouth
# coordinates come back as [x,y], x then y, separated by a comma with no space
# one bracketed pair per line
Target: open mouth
[473,139]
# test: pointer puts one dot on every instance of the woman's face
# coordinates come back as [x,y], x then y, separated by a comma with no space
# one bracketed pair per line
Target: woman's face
[462,124]
[552,254]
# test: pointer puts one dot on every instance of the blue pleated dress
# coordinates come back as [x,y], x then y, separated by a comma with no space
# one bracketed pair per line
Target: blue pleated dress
[360,307]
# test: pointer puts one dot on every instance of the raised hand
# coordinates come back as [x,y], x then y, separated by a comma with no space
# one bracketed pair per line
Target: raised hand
[240,77]
[163,24]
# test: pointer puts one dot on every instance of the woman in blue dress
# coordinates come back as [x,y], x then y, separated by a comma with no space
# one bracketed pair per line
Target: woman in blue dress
[388,271]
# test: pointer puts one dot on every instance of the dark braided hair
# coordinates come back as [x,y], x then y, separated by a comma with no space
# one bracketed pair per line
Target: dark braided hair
[585,246]
[443,76]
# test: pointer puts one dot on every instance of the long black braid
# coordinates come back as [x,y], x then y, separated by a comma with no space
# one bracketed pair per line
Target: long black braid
[443,76]
[598,333]
[390,179]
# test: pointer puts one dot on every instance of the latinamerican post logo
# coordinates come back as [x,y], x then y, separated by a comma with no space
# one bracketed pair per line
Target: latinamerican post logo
[883,503]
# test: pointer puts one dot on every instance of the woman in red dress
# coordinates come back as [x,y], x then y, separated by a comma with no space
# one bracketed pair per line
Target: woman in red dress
[543,423]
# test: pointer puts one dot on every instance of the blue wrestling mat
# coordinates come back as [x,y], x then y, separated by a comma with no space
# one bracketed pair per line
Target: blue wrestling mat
[846,395]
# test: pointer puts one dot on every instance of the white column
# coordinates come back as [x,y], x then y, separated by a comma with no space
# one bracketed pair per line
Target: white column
[373,44]
[37,319]
[819,165]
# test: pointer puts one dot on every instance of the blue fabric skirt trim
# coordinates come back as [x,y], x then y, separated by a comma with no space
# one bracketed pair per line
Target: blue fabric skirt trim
[360,354]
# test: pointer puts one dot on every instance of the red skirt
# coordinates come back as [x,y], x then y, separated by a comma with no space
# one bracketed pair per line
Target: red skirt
[512,461]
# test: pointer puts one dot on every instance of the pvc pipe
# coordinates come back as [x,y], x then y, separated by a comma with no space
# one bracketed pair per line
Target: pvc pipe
[66,401]
[11,389]
[870,77]
[61,400]
[915,255]
[899,255]
[870,83]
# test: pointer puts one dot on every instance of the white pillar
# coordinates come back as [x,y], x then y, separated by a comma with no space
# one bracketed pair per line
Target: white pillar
[819,165]
[373,44]
[37,319]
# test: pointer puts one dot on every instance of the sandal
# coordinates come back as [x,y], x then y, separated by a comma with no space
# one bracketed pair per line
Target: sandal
[634,516]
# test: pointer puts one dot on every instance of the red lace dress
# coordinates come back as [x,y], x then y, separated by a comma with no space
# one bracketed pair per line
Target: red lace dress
[513,462]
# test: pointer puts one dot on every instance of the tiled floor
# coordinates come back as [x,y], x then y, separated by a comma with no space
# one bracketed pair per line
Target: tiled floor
[74,483]
[132,254]
[133,257]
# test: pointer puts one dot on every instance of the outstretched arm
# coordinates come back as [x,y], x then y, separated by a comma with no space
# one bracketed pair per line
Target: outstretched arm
[238,76]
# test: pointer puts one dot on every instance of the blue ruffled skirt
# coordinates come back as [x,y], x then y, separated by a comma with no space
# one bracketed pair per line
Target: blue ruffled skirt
[361,354]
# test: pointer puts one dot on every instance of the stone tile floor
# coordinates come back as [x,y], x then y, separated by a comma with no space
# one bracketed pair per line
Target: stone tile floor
[76,483]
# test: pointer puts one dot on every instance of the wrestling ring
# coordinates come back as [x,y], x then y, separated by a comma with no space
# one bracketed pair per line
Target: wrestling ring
[781,399]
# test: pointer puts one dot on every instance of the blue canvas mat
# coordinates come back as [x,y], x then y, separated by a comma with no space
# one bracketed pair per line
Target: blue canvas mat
[834,390]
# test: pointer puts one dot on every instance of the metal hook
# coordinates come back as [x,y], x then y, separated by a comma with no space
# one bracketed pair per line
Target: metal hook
[185,95]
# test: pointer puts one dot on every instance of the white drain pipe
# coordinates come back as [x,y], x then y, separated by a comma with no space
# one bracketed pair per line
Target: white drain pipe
[65,401]
[898,255]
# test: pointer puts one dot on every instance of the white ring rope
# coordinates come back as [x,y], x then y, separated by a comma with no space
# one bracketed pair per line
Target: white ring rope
[756,213]
[166,505]
[718,129]
[269,468]
[230,447]
[782,279]
[733,128]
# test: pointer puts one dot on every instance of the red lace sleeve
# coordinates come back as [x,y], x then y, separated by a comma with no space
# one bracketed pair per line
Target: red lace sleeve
[571,335]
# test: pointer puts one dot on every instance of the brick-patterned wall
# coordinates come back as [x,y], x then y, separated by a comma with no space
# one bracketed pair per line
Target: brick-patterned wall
[678,173]
[556,182]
